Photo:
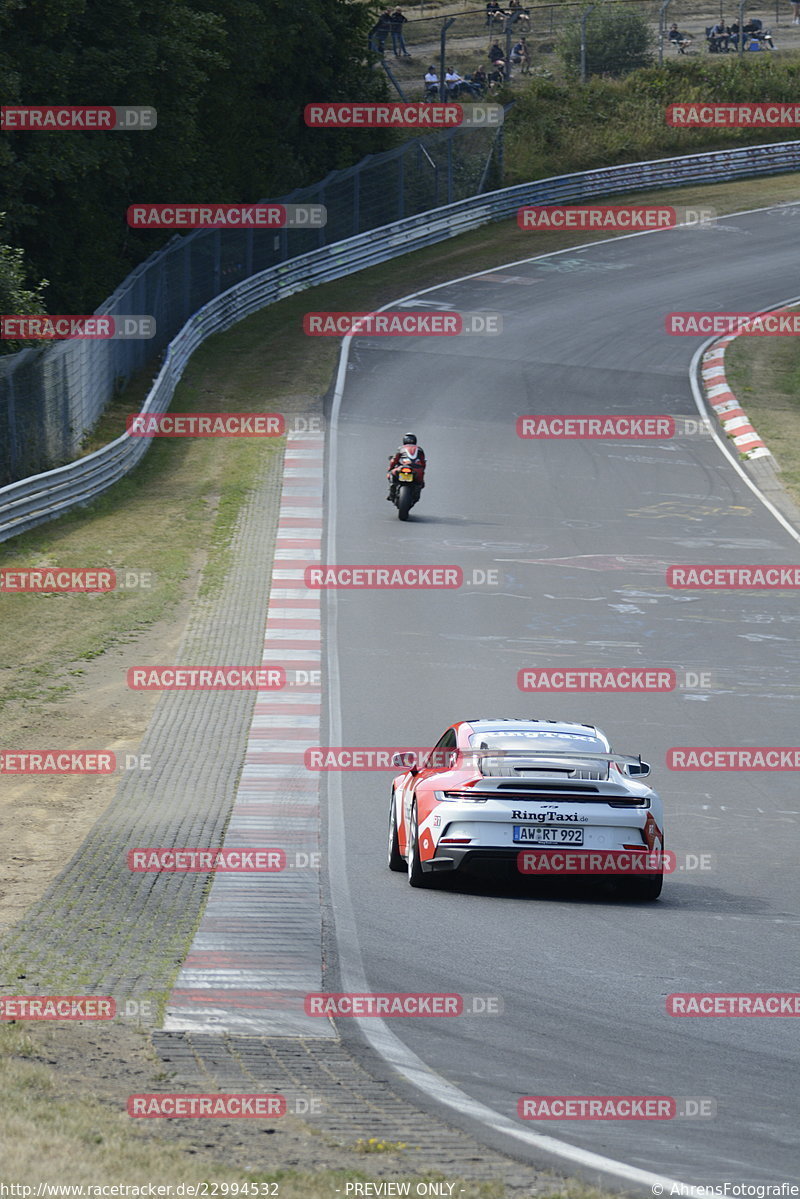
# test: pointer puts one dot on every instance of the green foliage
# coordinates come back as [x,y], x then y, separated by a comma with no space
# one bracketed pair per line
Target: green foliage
[557,128]
[618,40]
[16,296]
[229,79]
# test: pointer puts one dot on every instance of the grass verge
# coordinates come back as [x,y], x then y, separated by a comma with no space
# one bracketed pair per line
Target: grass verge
[764,374]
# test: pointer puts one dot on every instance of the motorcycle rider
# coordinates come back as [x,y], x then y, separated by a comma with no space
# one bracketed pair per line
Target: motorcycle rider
[409,449]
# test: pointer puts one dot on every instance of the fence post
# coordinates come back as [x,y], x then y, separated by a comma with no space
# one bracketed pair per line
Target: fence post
[442,85]
[662,28]
[584,16]
[217,269]
[357,201]
[14,464]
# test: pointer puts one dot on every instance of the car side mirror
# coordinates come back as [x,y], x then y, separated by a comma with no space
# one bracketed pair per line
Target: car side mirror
[406,761]
[639,770]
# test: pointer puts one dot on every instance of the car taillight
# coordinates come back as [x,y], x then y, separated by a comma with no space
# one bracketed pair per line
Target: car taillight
[458,797]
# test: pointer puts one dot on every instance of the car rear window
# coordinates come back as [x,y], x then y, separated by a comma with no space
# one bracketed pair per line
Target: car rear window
[542,742]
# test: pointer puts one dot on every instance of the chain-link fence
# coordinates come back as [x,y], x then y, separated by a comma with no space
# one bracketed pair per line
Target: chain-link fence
[50,398]
[475,36]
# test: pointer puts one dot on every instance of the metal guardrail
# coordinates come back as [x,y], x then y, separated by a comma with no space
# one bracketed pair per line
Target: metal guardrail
[32,501]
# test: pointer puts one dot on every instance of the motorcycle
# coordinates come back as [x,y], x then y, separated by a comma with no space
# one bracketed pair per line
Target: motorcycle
[406,486]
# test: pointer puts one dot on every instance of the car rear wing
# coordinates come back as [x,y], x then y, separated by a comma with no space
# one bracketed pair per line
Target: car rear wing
[520,759]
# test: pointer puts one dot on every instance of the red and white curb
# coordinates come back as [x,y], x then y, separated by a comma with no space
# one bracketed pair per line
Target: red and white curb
[258,950]
[734,420]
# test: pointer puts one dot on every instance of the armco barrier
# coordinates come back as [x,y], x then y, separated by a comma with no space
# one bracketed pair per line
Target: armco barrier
[42,497]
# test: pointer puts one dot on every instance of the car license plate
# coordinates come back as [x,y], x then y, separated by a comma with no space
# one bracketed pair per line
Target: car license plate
[538,834]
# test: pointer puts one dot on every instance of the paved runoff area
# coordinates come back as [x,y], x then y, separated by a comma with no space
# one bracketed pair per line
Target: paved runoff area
[258,950]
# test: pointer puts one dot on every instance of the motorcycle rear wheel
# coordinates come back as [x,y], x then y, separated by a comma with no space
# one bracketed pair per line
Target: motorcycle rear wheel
[405,498]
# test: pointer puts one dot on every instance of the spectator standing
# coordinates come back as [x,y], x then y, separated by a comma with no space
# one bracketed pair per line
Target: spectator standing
[396,22]
[379,32]
[796,11]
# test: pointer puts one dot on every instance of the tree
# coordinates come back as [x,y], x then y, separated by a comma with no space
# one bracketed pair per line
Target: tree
[229,80]
[618,40]
[17,298]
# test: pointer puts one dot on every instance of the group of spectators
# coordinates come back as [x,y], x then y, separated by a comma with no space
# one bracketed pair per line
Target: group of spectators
[512,13]
[475,85]
[483,79]
[390,21]
[722,37]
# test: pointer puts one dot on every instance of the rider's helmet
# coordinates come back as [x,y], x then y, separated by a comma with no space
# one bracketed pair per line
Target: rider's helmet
[409,439]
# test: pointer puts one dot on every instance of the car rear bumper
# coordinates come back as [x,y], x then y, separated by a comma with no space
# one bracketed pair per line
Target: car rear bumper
[566,863]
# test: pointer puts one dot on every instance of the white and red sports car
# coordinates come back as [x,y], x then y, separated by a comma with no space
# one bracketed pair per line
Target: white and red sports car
[544,796]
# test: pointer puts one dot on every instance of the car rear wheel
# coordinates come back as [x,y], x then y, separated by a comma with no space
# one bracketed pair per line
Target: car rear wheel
[642,890]
[395,858]
[416,875]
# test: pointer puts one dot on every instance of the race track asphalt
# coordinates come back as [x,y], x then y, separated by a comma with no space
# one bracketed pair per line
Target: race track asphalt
[581,533]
